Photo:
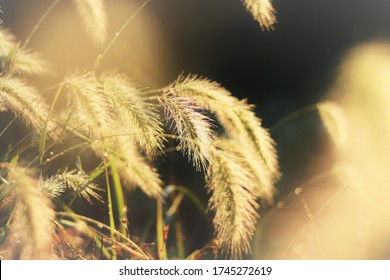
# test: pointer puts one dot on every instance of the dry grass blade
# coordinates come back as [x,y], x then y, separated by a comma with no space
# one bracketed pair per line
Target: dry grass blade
[30,235]
[134,169]
[240,123]
[192,127]
[19,60]
[24,101]
[233,199]
[263,12]
[94,17]
[138,117]
[87,107]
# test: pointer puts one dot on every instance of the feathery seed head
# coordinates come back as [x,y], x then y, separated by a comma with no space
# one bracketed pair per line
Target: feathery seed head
[138,117]
[80,183]
[93,15]
[263,12]
[240,124]
[135,171]
[30,234]
[14,59]
[233,198]
[194,129]
[24,101]
[87,107]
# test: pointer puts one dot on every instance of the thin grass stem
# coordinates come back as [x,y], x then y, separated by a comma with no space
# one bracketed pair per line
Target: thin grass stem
[294,115]
[43,138]
[110,208]
[36,26]
[117,34]
[99,224]
[120,204]
[161,249]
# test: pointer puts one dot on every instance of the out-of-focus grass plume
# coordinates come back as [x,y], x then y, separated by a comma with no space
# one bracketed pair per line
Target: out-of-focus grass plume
[343,212]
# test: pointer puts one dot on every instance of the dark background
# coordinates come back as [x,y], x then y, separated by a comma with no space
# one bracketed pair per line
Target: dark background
[279,71]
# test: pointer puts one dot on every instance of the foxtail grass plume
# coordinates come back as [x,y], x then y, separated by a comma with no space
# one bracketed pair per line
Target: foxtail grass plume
[113,112]
[347,208]
[80,183]
[31,229]
[263,12]
[93,15]
[88,108]
[15,59]
[362,93]
[138,117]
[233,198]
[52,187]
[192,128]
[134,169]
[23,100]
[240,123]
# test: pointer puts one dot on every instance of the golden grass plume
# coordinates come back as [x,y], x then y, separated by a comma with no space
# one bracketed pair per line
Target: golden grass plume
[16,59]
[233,198]
[87,107]
[194,129]
[263,12]
[31,230]
[134,169]
[93,15]
[138,117]
[240,123]
[24,101]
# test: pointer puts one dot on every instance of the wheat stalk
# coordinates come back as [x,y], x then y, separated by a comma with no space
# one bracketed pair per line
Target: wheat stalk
[263,12]
[30,235]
